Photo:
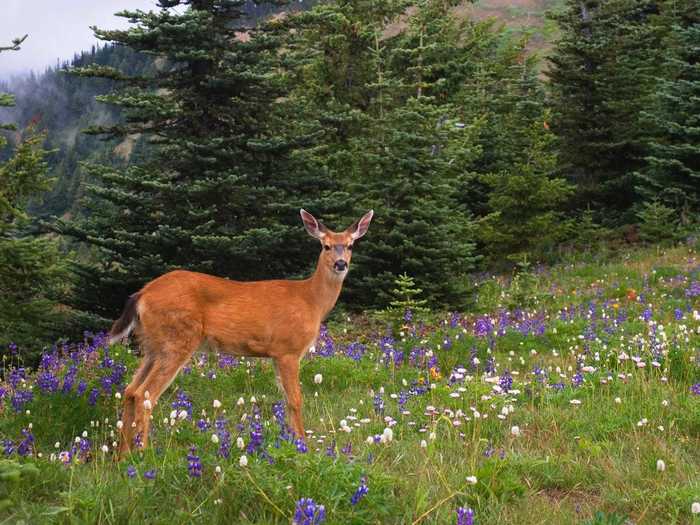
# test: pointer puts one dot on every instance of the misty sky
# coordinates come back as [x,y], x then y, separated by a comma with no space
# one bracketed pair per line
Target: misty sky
[56,28]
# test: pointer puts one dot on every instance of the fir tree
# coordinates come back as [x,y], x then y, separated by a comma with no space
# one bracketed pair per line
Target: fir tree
[672,171]
[393,142]
[526,201]
[216,193]
[601,77]
[31,274]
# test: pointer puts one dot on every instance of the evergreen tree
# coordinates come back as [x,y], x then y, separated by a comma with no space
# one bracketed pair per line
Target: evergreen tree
[526,201]
[601,77]
[216,194]
[672,171]
[31,274]
[393,141]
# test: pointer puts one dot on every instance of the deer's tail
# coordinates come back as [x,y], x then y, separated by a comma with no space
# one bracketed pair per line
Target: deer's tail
[123,326]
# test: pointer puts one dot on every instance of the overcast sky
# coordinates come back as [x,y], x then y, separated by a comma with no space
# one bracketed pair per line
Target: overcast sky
[56,29]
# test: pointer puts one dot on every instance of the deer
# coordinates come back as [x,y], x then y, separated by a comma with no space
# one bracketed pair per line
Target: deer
[182,311]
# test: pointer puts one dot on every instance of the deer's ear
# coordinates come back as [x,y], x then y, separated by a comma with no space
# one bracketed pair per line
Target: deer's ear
[313,227]
[358,229]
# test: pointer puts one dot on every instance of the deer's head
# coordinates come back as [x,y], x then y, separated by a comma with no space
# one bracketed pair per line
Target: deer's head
[336,247]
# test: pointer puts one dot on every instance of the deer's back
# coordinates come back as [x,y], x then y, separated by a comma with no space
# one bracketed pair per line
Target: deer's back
[262,318]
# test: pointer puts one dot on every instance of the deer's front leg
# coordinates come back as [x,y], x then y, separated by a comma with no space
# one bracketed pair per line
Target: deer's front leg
[288,367]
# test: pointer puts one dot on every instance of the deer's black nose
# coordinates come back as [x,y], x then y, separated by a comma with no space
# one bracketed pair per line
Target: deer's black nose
[340,265]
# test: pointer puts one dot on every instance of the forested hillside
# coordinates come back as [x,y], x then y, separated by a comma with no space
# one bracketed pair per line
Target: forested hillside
[481,146]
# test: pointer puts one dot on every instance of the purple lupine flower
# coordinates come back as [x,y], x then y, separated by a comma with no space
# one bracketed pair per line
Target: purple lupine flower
[227,361]
[8,447]
[646,315]
[82,387]
[301,446]
[693,290]
[308,512]
[12,347]
[278,412]
[465,516]
[325,346]
[16,376]
[182,402]
[256,437]
[194,465]
[403,397]
[678,314]
[21,398]
[483,327]
[131,471]
[695,389]
[378,404]
[69,379]
[577,380]
[506,381]
[26,446]
[224,437]
[330,450]
[150,474]
[355,351]
[447,343]
[202,425]
[386,347]
[92,398]
[360,493]
[490,365]
[347,449]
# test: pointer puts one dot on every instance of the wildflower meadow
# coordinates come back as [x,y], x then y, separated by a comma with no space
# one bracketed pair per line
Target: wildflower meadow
[572,396]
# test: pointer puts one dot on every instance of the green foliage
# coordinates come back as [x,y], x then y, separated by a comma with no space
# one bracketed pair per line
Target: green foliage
[524,221]
[13,474]
[671,172]
[31,270]
[657,222]
[588,233]
[406,298]
[601,78]
[602,518]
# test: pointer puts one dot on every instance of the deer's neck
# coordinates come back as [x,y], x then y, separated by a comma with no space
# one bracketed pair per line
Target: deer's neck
[325,286]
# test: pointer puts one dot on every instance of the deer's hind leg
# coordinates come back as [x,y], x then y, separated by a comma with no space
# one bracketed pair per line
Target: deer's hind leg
[178,338]
[129,405]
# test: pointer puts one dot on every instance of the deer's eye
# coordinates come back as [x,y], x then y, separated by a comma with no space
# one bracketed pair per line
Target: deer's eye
[350,247]
[326,247]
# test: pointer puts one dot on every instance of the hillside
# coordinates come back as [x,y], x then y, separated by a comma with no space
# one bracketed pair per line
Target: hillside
[567,397]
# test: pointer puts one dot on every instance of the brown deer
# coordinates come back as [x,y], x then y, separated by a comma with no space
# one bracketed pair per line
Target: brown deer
[181,311]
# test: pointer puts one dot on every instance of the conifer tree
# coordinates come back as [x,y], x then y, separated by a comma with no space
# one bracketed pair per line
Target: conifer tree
[215,193]
[601,77]
[393,142]
[672,171]
[31,273]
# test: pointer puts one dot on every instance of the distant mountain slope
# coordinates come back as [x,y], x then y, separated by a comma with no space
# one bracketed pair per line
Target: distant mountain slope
[519,15]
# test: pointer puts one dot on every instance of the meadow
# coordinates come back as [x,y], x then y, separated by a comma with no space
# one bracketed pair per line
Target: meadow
[566,395]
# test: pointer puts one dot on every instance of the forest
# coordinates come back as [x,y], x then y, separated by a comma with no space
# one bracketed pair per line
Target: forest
[192,139]
[516,341]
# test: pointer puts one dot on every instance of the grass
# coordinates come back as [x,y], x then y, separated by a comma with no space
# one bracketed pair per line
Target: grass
[614,345]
